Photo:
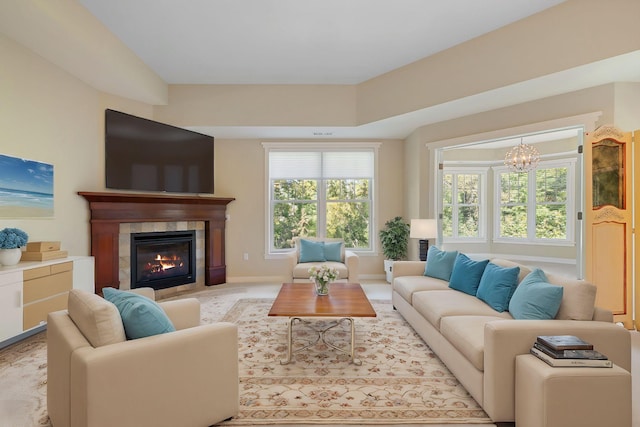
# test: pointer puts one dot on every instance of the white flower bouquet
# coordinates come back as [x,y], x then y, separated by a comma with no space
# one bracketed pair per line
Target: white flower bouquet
[322,276]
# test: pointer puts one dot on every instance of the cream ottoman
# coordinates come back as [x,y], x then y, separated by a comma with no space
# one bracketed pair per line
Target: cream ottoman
[548,396]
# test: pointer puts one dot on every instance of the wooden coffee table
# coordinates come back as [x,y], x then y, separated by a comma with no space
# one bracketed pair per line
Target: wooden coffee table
[299,302]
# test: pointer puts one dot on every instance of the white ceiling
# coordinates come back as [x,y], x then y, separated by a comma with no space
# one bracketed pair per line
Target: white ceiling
[297,41]
[330,42]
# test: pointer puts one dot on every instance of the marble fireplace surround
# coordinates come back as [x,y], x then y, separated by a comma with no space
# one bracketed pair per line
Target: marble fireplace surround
[110,210]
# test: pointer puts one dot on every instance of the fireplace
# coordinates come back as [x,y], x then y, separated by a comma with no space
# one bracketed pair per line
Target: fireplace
[163,259]
[110,210]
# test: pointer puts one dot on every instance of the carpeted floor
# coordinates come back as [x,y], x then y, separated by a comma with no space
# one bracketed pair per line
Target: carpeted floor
[400,380]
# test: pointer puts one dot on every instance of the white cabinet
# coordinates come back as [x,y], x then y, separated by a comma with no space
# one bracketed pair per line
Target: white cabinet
[10,304]
[30,290]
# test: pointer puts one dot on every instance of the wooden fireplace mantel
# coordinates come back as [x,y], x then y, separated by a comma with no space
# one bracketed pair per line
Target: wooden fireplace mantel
[109,210]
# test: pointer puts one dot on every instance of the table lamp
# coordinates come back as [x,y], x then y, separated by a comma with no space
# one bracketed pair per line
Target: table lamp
[423,229]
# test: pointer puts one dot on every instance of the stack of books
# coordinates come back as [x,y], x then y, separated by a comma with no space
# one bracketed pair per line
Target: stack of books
[568,350]
[43,251]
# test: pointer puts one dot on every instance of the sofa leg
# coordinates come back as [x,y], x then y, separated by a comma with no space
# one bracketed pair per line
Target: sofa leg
[505,424]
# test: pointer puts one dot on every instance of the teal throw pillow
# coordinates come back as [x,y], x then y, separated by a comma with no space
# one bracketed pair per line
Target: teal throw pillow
[141,316]
[439,263]
[497,286]
[333,251]
[311,251]
[466,274]
[535,298]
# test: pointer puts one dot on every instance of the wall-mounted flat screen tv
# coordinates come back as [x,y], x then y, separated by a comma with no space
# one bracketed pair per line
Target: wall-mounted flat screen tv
[145,155]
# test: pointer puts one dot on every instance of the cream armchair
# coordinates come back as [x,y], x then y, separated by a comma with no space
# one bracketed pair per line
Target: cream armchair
[347,263]
[97,378]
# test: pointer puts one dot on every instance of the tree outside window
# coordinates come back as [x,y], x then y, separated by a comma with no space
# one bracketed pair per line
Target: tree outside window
[534,205]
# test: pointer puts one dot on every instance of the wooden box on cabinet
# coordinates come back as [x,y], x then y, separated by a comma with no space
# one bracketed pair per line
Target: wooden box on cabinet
[45,290]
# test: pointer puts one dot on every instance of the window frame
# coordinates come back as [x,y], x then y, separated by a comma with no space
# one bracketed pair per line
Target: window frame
[570,226]
[321,199]
[482,205]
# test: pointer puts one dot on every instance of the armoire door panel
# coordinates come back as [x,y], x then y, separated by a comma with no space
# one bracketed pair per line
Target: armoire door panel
[610,271]
[609,219]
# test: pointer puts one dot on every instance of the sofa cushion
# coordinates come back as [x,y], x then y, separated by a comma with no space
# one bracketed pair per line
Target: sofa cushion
[322,240]
[578,298]
[466,334]
[407,285]
[333,251]
[96,318]
[434,305]
[439,263]
[141,316]
[524,270]
[466,274]
[497,286]
[535,298]
[311,251]
[301,271]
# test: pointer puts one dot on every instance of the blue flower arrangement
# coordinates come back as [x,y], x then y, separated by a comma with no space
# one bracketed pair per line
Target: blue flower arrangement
[12,238]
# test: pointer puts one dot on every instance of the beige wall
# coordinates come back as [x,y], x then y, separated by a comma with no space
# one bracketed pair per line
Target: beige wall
[50,116]
[240,173]
[56,116]
[557,39]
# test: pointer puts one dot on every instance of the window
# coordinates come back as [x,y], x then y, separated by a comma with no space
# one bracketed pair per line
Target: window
[535,205]
[463,204]
[324,192]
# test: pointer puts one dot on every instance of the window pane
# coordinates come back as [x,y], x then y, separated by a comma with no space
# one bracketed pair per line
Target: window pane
[514,188]
[349,221]
[551,221]
[468,220]
[551,185]
[513,221]
[447,221]
[347,189]
[291,220]
[295,189]
[447,185]
[468,186]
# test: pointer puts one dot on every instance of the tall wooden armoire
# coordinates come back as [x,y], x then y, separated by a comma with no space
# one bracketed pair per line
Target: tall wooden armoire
[609,218]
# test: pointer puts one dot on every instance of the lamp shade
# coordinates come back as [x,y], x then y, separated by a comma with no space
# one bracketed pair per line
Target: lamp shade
[423,229]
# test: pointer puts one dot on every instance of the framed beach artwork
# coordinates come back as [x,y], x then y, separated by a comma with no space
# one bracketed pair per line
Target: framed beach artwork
[26,188]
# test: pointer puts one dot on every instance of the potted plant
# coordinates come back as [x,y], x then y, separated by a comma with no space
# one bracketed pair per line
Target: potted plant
[394,238]
[11,240]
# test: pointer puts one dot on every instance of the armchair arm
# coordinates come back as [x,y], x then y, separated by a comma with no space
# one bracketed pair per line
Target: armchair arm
[188,377]
[183,313]
[408,268]
[292,260]
[352,261]
[505,339]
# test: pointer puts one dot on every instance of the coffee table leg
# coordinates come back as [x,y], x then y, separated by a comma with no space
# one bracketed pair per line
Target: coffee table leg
[321,337]
[289,341]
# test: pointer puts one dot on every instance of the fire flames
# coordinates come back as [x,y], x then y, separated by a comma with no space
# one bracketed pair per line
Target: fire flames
[162,264]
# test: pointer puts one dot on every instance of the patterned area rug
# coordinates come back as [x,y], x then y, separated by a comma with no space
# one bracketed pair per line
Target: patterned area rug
[400,381]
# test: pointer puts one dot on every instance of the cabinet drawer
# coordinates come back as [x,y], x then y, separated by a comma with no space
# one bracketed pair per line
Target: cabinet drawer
[36,312]
[34,273]
[46,286]
[59,268]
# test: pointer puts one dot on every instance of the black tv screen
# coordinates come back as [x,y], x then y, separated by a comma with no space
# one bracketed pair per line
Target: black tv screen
[145,155]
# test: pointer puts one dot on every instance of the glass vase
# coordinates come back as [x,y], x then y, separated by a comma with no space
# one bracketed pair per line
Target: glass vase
[322,288]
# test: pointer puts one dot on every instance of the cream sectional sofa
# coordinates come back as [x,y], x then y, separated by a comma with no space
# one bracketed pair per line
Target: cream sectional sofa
[479,345]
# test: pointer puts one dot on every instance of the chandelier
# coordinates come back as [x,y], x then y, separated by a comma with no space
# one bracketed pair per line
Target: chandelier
[522,158]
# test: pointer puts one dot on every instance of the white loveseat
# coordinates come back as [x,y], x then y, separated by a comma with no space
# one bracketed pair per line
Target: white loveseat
[479,344]
[346,263]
